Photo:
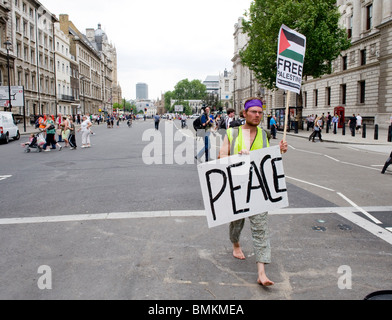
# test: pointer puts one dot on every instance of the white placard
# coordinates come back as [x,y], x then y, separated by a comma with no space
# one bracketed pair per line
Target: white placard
[291,57]
[239,187]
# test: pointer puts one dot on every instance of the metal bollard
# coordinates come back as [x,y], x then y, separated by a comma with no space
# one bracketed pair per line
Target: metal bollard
[296,127]
[376,132]
[344,129]
[364,131]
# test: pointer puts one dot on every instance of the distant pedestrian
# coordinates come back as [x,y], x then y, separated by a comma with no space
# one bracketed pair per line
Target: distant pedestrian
[207,122]
[157,119]
[352,123]
[65,131]
[50,135]
[85,128]
[359,123]
[329,121]
[387,164]
[274,127]
[318,129]
[72,135]
[335,122]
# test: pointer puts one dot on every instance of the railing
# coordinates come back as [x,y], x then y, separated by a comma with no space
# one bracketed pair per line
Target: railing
[64,97]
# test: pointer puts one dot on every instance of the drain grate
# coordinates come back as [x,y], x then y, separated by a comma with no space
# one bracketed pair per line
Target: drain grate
[344,227]
[319,228]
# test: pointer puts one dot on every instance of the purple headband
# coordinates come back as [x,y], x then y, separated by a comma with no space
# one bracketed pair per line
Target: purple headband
[253,103]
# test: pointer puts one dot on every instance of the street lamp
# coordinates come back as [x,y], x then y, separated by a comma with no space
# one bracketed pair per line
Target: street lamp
[8,45]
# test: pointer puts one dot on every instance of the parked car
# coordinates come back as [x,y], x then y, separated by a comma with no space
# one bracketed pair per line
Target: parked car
[8,128]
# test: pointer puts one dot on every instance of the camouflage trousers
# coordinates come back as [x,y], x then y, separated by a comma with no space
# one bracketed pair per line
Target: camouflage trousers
[260,236]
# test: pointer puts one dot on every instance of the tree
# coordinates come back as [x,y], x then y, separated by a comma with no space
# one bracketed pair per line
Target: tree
[316,19]
[189,90]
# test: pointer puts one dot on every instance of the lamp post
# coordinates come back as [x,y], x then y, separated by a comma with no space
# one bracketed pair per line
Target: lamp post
[8,44]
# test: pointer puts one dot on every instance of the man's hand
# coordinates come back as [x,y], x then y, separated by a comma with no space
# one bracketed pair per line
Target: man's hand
[283,147]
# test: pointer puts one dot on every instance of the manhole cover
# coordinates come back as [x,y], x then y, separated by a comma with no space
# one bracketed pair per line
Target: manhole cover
[344,227]
[318,228]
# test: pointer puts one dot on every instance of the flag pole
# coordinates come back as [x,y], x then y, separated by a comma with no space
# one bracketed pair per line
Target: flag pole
[286,120]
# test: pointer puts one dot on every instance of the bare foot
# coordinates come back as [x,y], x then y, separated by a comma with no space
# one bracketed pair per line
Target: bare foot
[237,252]
[265,282]
[263,279]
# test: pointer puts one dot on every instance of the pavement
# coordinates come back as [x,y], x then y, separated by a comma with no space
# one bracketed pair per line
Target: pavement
[172,255]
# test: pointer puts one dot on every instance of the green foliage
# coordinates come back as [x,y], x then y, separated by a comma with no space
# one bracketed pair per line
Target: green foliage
[316,19]
[185,90]
[189,90]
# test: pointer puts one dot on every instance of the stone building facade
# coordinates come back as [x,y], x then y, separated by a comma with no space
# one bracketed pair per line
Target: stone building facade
[31,34]
[361,79]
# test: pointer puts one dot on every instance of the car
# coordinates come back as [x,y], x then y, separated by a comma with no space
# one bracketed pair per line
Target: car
[8,128]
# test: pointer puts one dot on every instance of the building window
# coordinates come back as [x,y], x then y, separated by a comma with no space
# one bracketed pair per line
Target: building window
[328,94]
[344,63]
[343,94]
[362,88]
[315,92]
[350,27]
[369,17]
[363,57]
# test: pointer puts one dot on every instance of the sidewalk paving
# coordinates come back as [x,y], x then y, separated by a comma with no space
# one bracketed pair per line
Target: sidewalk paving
[348,138]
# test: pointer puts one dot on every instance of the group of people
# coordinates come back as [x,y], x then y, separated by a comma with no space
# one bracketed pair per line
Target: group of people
[65,129]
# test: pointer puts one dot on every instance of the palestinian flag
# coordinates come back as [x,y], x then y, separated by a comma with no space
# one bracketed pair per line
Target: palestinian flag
[292,44]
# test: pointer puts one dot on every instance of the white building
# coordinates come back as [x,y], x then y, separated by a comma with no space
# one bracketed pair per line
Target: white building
[142,105]
[212,84]
[63,72]
[226,89]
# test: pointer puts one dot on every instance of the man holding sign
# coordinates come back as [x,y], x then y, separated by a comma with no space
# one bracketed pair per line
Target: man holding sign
[242,141]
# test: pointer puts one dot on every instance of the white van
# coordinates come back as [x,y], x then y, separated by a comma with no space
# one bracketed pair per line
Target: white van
[8,128]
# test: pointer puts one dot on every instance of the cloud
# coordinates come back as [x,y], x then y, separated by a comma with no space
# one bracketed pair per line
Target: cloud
[161,42]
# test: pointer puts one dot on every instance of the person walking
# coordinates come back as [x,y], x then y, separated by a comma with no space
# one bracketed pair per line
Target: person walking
[274,127]
[352,123]
[207,121]
[72,135]
[65,131]
[359,124]
[335,122]
[317,129]
[50,129]
[157,119]
[246,138]
[387,164]
[85,128]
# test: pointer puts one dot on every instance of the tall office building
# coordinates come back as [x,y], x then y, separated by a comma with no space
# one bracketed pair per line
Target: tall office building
[141,91]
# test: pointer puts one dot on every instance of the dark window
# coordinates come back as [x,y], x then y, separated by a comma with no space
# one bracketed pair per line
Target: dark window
[344,61]
[343,92]
[362,89]
[363,57]
[369,17]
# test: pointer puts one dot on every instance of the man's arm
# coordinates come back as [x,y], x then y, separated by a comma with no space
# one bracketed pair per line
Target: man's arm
[225,149]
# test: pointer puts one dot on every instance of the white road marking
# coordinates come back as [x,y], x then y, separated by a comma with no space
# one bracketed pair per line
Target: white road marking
[360,209]
[346,212]
[309,183]
[4,177]
[331,158]
[367,225]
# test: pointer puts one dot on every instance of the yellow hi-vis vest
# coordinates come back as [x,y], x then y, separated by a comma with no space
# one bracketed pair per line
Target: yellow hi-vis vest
[261,141]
